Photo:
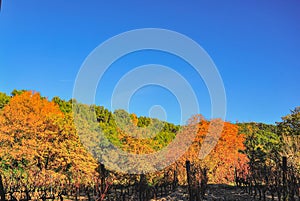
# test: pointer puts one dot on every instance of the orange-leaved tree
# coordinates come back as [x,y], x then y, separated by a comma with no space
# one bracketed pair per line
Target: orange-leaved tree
[224,146]
[41,142]
[227,157]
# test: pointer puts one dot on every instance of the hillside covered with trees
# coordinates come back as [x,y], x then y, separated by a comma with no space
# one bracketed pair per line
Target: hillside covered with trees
[42,150]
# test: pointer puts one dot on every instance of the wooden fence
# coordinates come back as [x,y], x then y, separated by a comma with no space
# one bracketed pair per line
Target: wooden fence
[280,182]
[136,188]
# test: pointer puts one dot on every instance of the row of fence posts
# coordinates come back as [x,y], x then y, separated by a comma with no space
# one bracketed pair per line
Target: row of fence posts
[194,191]
[142,188]
[197,182]
[283,191]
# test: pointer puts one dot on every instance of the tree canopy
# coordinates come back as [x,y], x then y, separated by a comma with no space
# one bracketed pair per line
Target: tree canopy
[44,141]
[39,142]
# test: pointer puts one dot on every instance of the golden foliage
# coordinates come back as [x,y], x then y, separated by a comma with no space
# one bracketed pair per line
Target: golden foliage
[41,141]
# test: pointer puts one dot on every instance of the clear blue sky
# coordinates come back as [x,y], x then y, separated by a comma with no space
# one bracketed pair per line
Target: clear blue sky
[255,45]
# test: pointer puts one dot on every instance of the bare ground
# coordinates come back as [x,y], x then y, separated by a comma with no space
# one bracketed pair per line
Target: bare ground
[215,192]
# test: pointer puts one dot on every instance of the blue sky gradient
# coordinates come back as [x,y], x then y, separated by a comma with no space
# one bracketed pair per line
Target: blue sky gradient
[254,44]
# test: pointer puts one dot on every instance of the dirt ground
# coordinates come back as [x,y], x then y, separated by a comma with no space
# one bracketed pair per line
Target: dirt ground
[216,192]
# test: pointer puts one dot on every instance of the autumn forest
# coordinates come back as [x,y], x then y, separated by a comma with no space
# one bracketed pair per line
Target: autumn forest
[44,156]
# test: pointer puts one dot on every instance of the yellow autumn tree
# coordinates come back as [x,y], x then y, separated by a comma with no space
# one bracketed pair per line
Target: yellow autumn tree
[41,142]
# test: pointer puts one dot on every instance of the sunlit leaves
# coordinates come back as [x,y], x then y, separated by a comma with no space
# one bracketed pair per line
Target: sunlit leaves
[226,154]
[4,100]
[289,130]
[39,139]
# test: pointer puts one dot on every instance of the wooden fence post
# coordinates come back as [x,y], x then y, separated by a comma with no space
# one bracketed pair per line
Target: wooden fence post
[284,171]
[2,192]
[102,175]
[188,174]
[175,180]
[142,187]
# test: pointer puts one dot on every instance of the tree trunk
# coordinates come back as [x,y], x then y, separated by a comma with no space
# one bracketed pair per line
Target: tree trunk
[2,192]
